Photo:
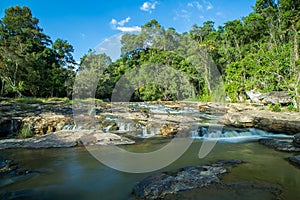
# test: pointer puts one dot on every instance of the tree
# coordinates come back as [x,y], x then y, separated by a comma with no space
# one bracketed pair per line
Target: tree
[29,65]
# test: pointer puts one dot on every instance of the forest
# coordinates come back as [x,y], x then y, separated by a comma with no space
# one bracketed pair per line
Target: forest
[259,52]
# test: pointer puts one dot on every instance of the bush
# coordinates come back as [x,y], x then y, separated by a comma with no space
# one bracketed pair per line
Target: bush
[291,107]
[274,107]
[26,132]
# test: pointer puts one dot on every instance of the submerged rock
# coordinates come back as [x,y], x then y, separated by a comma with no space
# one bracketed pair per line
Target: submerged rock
[10,172]
[160,185]
[285,145]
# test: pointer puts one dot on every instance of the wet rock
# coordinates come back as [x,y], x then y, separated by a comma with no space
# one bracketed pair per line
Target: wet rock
[9,126]
[109,125]
[295,160]
[160,185]
[66,138]
[284,145]
[296,140]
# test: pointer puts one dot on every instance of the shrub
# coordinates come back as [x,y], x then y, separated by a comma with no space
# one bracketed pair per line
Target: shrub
[274,107]
[26,132]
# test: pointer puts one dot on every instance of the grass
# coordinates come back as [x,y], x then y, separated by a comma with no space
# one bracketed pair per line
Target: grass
[28,100]
[25,106]
[26,132]
[65,100]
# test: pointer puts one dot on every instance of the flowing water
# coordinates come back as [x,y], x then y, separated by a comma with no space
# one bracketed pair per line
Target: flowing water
[73,173]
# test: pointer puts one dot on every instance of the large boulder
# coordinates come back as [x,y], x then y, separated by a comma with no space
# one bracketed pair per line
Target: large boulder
[46,123]
[280,97]
[254,96]
[283,122]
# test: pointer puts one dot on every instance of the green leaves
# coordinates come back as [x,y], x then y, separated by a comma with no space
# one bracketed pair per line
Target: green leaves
[28,65]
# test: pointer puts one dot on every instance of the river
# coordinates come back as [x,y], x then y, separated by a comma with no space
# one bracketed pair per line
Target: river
[73,173]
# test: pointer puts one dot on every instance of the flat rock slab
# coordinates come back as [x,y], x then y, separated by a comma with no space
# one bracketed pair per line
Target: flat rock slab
[160,185]
[283,122]
[66,138]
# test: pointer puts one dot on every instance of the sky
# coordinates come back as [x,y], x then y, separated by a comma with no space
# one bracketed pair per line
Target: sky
[88,24]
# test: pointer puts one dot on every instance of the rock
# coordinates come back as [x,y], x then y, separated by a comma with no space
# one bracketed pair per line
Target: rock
[169,129]
[160,185]
[111,139]
[296,140]
[240,190]
[66,138]
[284,122]
[281,97]
[295,160]
[254,96]
[10,172]
[9,126]
[109,125]
[284,145]
[46,123]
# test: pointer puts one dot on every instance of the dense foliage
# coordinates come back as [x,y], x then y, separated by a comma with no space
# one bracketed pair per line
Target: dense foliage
[259,52]
[30,63]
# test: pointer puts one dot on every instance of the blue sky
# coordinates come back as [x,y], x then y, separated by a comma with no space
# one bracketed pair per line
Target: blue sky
[85,24]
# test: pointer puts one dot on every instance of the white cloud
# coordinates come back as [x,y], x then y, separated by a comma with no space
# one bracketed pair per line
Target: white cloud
[208,5]
[119,25]
[195,4]
[149,6]
[114,22]
[129,29]
[124,21]
[199,6]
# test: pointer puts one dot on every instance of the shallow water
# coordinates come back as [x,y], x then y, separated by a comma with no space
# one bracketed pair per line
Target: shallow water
[74,173]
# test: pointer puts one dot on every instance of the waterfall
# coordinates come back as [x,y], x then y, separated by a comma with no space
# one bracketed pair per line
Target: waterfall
[234,135]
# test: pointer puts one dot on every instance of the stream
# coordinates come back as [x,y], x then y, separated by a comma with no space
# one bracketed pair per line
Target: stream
[73,173]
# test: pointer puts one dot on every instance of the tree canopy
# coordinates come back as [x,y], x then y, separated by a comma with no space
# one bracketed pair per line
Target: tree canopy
[259,52]
[30,63]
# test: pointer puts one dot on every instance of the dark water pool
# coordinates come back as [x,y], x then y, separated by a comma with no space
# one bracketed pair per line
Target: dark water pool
[75,174]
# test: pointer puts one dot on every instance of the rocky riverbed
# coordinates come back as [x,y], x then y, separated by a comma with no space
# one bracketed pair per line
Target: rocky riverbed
[54,124]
